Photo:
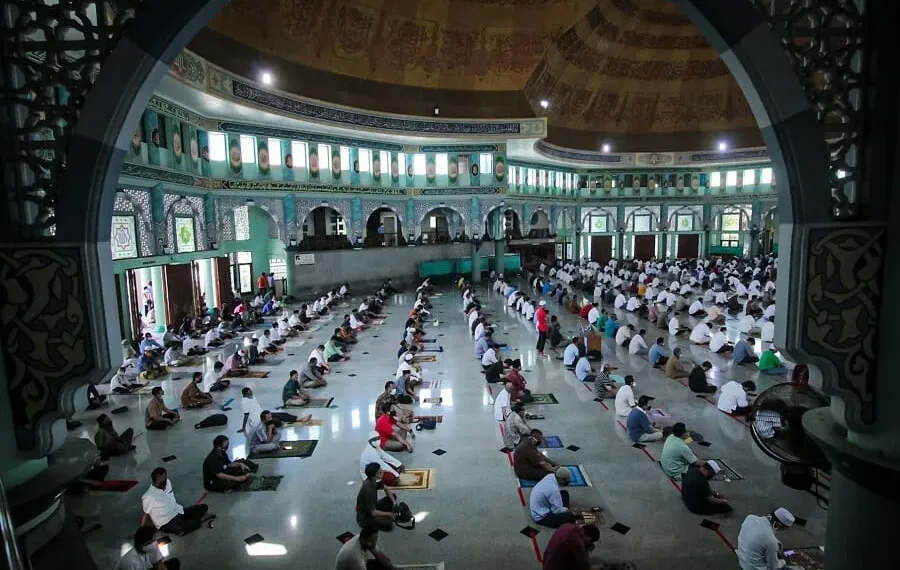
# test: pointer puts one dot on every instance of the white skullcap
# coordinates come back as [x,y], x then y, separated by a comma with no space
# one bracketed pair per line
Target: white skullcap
[714,466]
[784,516]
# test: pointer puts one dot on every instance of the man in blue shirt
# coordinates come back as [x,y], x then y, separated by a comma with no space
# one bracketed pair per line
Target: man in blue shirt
[481,345]
[657,355]
[612,325]
[640,428]
[743,352]
[149,344]
[549,505]
[546,288]
[572,353]
[583,370]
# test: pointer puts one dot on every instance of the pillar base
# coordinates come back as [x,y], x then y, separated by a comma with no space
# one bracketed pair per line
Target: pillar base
[863,500]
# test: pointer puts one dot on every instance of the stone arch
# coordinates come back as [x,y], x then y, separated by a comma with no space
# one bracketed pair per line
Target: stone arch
[370,207]
[503,209]
[368,230]
[191,205]
[610,212]
[695,211]
[543,223]
[654,218]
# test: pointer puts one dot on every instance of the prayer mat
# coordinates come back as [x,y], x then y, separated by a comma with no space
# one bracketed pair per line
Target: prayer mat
[145,391]
[378,323]
[435,401]
[311,423]
[436,349]
[270,362]
[299,448]
[431,384]
[318,403]
[807,558]
[438,566]
[579,478]
[260,483]
[117,486]
[659,412]
[726,473]
[551,442]
[415,480]
[588,515]
[429,340]
[438,419]
[538,399]
[255,374]
[425,359]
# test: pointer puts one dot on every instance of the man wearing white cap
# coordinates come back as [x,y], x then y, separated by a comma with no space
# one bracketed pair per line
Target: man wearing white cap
[542,324]
[696,493]
[549,505]
[758,549]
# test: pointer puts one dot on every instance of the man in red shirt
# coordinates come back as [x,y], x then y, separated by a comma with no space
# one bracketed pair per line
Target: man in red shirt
[518,392]
[585,310]
[389,432]
[570,546]
[543,326]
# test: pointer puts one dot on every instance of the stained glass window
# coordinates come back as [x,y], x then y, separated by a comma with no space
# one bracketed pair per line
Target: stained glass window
[685,222]
[185,242]
[123,239]
[241,224]
[641,222]
[731,222]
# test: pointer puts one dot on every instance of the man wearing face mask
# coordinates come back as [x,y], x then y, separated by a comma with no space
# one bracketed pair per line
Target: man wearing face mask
[220,473]
[108,441]
[145,554]
[625,401]
[163,511]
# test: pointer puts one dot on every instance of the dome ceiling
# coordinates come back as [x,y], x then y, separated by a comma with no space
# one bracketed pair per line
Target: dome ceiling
[635,73]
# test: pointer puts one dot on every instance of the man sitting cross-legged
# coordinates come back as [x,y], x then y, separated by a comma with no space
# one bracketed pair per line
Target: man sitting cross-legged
[529,463]
[570,547]
[743,352]
[119,383]
[214,380]
[265,435]
[108,441]
[311,377]
[220,473]
[676,456]
[697,379]
[370,511]
[696,493]
[252,410]
[674,368]
[192,396]
[163,511]
[394,436]
[157,416]
[550,505]
[236,364]
[293,393]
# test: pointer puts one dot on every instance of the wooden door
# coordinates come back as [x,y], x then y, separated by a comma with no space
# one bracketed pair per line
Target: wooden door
[222,276]
[601,249]
[644,247]
[179,293]
[688,246]
[135,304]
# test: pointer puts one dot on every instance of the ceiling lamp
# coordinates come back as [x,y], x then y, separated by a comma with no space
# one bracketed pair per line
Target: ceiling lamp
[266,78]
[606,148]
[723,146]
[437,110]
[544,103]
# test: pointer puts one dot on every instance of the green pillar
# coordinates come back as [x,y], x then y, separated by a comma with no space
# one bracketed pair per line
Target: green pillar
[499,255]
[476,263]
[159,297]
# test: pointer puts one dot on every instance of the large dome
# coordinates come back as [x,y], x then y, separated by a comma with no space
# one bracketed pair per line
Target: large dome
[636,73]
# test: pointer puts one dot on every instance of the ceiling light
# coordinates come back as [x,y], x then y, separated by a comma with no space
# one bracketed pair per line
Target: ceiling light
[437,110]
[266,78]
[606,147]
[544,103]
[723,146]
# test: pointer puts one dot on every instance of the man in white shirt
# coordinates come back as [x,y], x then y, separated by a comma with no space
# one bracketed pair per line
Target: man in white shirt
[767,330]
[701,334]
[161,508]
[733,397]
[473,314]
[572,352]
[696,308]
[634,304]
[620,301]
[212,340]
[174,356]
[501,403]
[529,311]
[625,397]
[319,354]
[758,549]
[675,327]
[251,410]
[721,298]
[490,356]
[637,345]
[594,313]
[623,335]
[355,323]
[145,554]
[583,370]
[769,312]
[719,342]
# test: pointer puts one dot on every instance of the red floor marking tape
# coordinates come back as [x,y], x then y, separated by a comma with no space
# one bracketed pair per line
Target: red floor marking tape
[537,549]
[509,457]
[200,500]
[647,453]
[521,496]
[621,425]
[491,392]
[601,402]
[725,539]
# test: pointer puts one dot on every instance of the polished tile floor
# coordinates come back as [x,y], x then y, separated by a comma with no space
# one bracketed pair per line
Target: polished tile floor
[476,500]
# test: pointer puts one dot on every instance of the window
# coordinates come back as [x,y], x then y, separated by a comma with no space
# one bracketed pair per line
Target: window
[559,179]
[684,222]
[324,154]
[749,177]
[596,223]
[241,224]
[513,175]
[571,180]
[244,257]
[613,183]
[385,158]
[715,179]
[248,149]
[298,152]
[217,147]
[765,176]
[730,240]
[532,176]
[641,223]
[365,160]
[184,235]
[245,271]
[274,152]
[731,178]
[731,222]
[419,164]
[485,163]
[401,163]
[441,164]
[345,158]
[432,222]
[278,266]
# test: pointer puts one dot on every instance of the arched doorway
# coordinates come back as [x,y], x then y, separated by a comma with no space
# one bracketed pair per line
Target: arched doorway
[324,228]
[441,225]
[540,225]
[383,228]
[503,223]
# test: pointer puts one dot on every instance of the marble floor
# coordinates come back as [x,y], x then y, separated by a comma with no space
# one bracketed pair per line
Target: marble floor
[475,500]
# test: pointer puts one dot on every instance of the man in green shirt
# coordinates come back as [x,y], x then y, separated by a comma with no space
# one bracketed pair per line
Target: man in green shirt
[770,364]
[292,394]
[333,352]
[600,323]
[676,456]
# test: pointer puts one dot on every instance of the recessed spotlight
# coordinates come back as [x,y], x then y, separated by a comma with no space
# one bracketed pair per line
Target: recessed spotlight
[266,78]
[723,146]
[606,148]
[544,103]
[437,110]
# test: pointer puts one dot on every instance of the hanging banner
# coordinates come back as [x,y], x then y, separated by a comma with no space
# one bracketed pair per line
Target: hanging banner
[175,142]
[452,168]
[262,157]
[376,165]
[474,170]
[151,131]
[395,168]
[287,160]
[313,161]
[193,148]
[430,169]
[500,168]
[410,171]
[235,158]
[203,141]
[354,164]
[134,149]
[336,162]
